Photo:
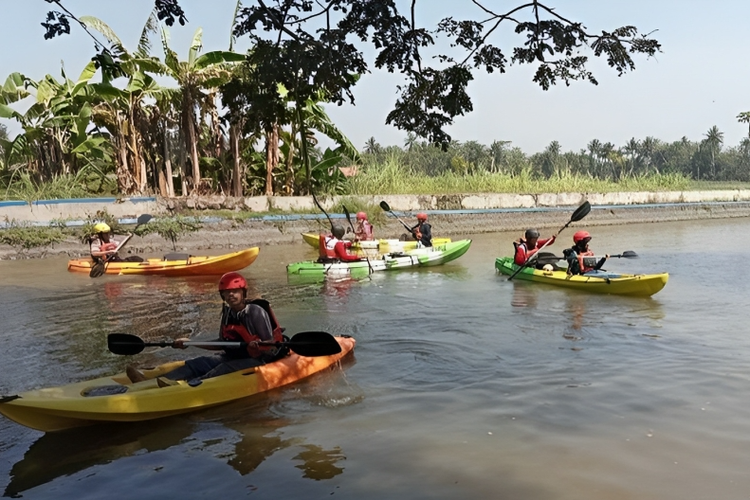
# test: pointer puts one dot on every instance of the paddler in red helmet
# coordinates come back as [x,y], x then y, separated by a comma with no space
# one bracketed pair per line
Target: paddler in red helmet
[580,257]
[242,320]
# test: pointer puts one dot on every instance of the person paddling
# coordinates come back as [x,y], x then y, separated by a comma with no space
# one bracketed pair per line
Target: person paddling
[241,321]
[529,245]
[333,248]
[422,232]
[363,228]
[580,257]
[104,246]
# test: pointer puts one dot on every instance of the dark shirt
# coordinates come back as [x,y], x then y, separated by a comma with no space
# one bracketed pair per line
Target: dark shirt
[426,229]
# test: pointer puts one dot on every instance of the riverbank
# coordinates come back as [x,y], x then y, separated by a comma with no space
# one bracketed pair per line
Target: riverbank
[450,216]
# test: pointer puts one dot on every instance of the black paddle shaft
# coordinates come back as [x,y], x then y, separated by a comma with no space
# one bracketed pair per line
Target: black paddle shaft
[578,214]
[308,344]
[100,266]
[387,208]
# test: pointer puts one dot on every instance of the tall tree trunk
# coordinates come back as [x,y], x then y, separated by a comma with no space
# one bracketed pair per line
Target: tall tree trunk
[234,144]
[272,156]
[217,134]
[191,136]
[168,164]
[184,174]
[289,184]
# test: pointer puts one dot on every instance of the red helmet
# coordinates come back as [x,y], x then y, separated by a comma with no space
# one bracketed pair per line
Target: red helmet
[231,281]
[421,216]
[581,235]
[361,216]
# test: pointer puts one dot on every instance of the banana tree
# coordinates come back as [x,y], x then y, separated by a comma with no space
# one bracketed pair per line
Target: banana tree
[198,73]
[57,139]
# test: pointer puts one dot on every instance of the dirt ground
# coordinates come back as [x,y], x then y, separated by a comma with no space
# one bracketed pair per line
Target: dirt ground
[233,235]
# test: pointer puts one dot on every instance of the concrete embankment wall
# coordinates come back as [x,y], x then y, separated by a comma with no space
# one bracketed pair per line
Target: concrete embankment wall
[45,212]
[451,215]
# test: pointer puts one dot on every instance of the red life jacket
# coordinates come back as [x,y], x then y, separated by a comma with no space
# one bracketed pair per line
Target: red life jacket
[234,331]
[586,261]
[329,246]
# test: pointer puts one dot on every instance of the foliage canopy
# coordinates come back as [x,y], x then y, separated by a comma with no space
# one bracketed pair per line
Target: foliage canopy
[313,47]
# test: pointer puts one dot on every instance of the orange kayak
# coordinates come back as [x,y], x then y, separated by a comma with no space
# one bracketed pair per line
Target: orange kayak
[116,399]
[187,266]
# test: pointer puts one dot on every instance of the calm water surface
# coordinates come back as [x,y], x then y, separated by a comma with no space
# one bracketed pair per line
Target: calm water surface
[463,385]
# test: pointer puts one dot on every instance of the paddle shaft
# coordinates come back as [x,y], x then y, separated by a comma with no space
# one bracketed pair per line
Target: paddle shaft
[387,208]
[303,343]
[550,258]
[579,214]
[100,267]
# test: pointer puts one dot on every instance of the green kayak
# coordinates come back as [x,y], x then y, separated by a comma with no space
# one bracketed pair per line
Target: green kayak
[432,256]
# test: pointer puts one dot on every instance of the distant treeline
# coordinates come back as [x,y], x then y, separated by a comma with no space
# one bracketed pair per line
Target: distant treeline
[704,160]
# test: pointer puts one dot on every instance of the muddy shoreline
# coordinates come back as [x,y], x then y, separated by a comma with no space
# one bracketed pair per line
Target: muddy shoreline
[230,235]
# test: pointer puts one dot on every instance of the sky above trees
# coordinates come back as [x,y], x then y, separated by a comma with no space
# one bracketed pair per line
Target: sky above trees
[699,80]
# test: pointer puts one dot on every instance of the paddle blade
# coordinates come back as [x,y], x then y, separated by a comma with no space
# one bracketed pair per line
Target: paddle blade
[314,344]
[97,269]
[348,217]
[143,219]
[124,343]
[581,212]
[629,254]
[385,206]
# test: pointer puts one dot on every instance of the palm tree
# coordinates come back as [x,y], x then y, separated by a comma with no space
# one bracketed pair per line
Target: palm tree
[714,140]
[56,139]
[124,112]
[208,71]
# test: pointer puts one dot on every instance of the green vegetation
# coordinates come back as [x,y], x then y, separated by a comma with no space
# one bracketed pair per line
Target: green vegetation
[171,228]
[247,124]
[22,236]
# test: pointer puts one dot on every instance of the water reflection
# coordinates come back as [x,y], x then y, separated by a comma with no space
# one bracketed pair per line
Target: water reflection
[66,453]
[524,295]
[245,436]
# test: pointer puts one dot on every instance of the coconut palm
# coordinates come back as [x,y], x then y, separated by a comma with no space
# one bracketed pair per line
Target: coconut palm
[714,140]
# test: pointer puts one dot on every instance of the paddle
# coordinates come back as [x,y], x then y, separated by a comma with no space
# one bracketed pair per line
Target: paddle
[349,218]
[550,258]
[578,214]
[387,208]
[101,263]
[309,344]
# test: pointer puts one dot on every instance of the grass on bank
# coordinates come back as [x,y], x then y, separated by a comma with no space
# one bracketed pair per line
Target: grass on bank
[390,177]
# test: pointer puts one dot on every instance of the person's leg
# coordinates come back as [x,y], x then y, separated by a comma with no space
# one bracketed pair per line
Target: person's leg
[232,366]
[196,367]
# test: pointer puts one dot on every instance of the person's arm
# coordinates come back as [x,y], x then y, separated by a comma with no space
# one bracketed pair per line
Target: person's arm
[547,242]
[101,250]
[342,254]
[257,321]
[520,257]
[601,262]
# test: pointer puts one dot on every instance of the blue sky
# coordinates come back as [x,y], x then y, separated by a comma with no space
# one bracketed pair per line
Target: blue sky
[701,79]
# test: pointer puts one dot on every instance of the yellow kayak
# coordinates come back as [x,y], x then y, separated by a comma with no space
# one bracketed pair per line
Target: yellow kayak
[116,399]
[187,265]
[643,285]
[381,245]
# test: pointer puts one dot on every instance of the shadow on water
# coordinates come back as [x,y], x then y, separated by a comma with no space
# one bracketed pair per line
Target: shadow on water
[244,434]
[66,453]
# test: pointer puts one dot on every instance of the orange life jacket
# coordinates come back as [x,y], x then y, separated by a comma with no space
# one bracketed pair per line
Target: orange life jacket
[234,331]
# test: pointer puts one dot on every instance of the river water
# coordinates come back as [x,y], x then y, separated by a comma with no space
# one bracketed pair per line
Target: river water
[462,385]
